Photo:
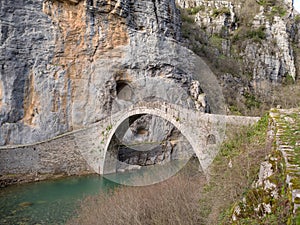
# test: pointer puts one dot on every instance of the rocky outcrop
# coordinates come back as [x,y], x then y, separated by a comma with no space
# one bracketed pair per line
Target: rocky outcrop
[214,16]
[63,63]
[262,39]
[27,43]
[271,62]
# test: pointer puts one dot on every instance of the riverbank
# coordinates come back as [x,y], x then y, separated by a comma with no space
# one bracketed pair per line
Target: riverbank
[14,179]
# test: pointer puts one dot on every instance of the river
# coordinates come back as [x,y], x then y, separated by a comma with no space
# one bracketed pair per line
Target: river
[48,202]
[55,201]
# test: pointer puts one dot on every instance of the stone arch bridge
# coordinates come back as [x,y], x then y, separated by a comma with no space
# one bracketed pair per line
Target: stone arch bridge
[204,132]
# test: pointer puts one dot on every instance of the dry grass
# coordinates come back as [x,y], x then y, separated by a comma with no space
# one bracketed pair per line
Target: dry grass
[175,201]
[235,169]
[286,96]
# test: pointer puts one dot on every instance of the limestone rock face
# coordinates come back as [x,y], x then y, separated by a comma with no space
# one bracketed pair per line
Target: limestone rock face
[266,48]
[216,16]
[63,63]
[27,44]
[271,62]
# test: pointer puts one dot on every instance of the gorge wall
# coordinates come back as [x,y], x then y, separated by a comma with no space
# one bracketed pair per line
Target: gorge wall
[64,62]
[268,43]
[253,47]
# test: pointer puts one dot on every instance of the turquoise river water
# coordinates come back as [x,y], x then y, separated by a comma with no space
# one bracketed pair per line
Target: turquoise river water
[54,202]
[48,202]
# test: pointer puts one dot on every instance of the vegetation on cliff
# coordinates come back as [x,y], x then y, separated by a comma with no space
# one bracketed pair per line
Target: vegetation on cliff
[257,67]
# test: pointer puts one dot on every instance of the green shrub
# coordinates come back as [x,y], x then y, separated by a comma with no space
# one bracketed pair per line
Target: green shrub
[258,34]
[195,10]
[278,10]
[245,150]
[221,11]
[216,41]
[187,19]
[288,80]
[266,2]
[236,37]
[185,31]
[234,110]
[247,33]
[251,101]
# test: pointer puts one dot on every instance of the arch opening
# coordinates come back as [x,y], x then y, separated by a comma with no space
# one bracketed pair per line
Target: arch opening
[145,141]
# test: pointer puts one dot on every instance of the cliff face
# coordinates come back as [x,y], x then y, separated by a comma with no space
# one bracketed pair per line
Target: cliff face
[265,41]
[27,44]
[252,45]
[63,63]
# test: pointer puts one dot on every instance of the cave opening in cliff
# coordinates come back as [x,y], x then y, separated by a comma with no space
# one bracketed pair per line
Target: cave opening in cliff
[124,91]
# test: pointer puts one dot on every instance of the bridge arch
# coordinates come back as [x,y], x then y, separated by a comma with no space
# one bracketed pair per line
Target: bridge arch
[162,113]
